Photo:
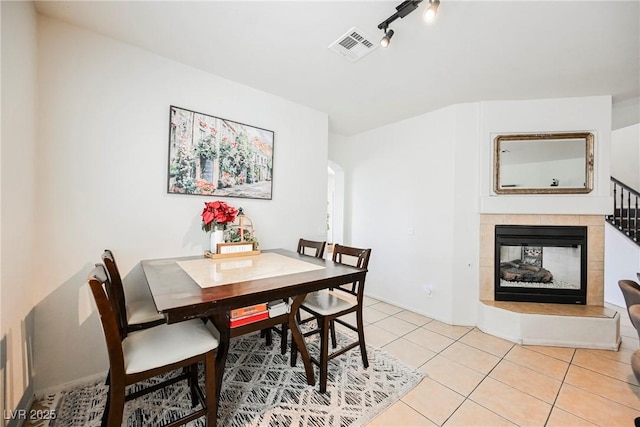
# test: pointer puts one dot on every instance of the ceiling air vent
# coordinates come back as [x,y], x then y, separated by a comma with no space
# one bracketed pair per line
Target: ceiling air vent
[353,45]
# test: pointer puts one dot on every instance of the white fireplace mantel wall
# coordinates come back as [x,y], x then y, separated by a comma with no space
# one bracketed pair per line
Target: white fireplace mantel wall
[591,114]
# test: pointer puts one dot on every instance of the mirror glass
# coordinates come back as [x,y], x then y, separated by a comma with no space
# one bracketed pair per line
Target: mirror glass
[543,163]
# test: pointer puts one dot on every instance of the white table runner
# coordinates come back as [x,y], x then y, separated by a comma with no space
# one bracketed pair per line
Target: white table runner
[210,272]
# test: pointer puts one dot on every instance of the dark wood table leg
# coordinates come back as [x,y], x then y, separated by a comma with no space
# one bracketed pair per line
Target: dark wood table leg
[298,339]
[221,323]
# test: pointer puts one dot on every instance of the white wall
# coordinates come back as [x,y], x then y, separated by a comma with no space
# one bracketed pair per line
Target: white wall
[103,135]
[621,261]
[466,221]
[622,256]
[625,155]
[400,185]
[20,210]
[415,189]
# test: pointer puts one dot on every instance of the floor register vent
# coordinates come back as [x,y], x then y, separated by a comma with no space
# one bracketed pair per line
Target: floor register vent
[353,45]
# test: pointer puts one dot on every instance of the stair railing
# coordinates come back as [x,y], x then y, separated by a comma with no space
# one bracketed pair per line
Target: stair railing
[626,213]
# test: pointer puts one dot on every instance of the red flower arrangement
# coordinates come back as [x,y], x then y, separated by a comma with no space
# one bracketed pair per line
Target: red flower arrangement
[217,213]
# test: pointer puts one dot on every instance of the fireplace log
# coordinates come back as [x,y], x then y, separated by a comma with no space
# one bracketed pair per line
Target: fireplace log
[518,271]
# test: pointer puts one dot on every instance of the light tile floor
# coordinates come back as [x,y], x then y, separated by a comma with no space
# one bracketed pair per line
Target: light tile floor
[476,379]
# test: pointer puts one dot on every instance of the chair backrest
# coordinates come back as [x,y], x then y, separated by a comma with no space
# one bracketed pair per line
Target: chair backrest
[635,364]
[115,290]
[113,333]
[631,292]
[354,257]
[316,248]
[634,316]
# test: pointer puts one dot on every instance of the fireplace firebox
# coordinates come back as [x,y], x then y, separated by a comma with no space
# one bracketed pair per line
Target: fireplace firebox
[541,264]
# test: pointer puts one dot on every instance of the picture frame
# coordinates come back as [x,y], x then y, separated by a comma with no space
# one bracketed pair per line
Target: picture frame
[233,250]
[236,247]
[532,255]
[544,163]
[212,156]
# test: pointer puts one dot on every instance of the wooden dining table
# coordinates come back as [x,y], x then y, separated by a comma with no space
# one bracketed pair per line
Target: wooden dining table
[201,287]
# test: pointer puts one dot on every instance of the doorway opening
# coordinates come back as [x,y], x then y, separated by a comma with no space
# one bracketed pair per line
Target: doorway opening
[335,203]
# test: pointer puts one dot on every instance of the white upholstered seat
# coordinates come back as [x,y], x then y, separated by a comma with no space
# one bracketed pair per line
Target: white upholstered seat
[327,303]
[166,344]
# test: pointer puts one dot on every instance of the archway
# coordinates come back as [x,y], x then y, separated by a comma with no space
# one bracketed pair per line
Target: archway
[335,203]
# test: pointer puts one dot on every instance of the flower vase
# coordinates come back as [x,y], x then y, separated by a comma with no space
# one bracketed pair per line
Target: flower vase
[217,236]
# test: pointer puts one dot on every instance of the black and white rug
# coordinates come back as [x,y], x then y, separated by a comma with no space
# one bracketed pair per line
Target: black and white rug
[260,389]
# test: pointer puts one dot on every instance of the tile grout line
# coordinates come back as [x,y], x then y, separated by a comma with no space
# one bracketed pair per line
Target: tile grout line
[427,376]
[553,405]
[487,375]
[562,383]
[604,375]
[483,379]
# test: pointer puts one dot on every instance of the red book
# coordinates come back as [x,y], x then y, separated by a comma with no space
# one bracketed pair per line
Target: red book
[234,323]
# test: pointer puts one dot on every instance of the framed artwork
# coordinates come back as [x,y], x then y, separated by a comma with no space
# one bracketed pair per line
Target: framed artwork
[211,156]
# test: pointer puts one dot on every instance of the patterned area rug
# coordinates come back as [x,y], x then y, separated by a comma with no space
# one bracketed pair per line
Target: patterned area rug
[260,389]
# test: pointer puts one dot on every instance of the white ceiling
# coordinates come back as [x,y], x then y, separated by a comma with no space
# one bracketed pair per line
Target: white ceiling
[476,50]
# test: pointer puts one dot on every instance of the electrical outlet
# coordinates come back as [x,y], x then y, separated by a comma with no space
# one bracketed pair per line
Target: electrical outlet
[428,290]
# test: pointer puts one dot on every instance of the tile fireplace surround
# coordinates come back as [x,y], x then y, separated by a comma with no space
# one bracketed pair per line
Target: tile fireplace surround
[590,326]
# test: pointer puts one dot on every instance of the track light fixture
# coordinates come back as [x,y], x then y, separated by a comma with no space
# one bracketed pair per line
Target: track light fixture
[387,38]
[402,10]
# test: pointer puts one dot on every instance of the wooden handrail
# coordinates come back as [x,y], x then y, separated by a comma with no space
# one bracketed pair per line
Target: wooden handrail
[622,184]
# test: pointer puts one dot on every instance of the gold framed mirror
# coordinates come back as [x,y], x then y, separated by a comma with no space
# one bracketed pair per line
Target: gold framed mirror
[548,163]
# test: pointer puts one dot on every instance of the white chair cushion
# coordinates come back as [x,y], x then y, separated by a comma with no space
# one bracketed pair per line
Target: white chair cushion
[327,303]
[142,311]
[166,344]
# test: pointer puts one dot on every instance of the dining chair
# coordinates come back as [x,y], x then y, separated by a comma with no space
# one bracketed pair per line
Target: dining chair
[329,306]
[305,247]
[136,315]
[634,316]
[311,248]
[635,364]
[151,352]
[631,292]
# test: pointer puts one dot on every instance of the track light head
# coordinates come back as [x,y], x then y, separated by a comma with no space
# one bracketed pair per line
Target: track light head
[402,10]
[432,10]
[387,38]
